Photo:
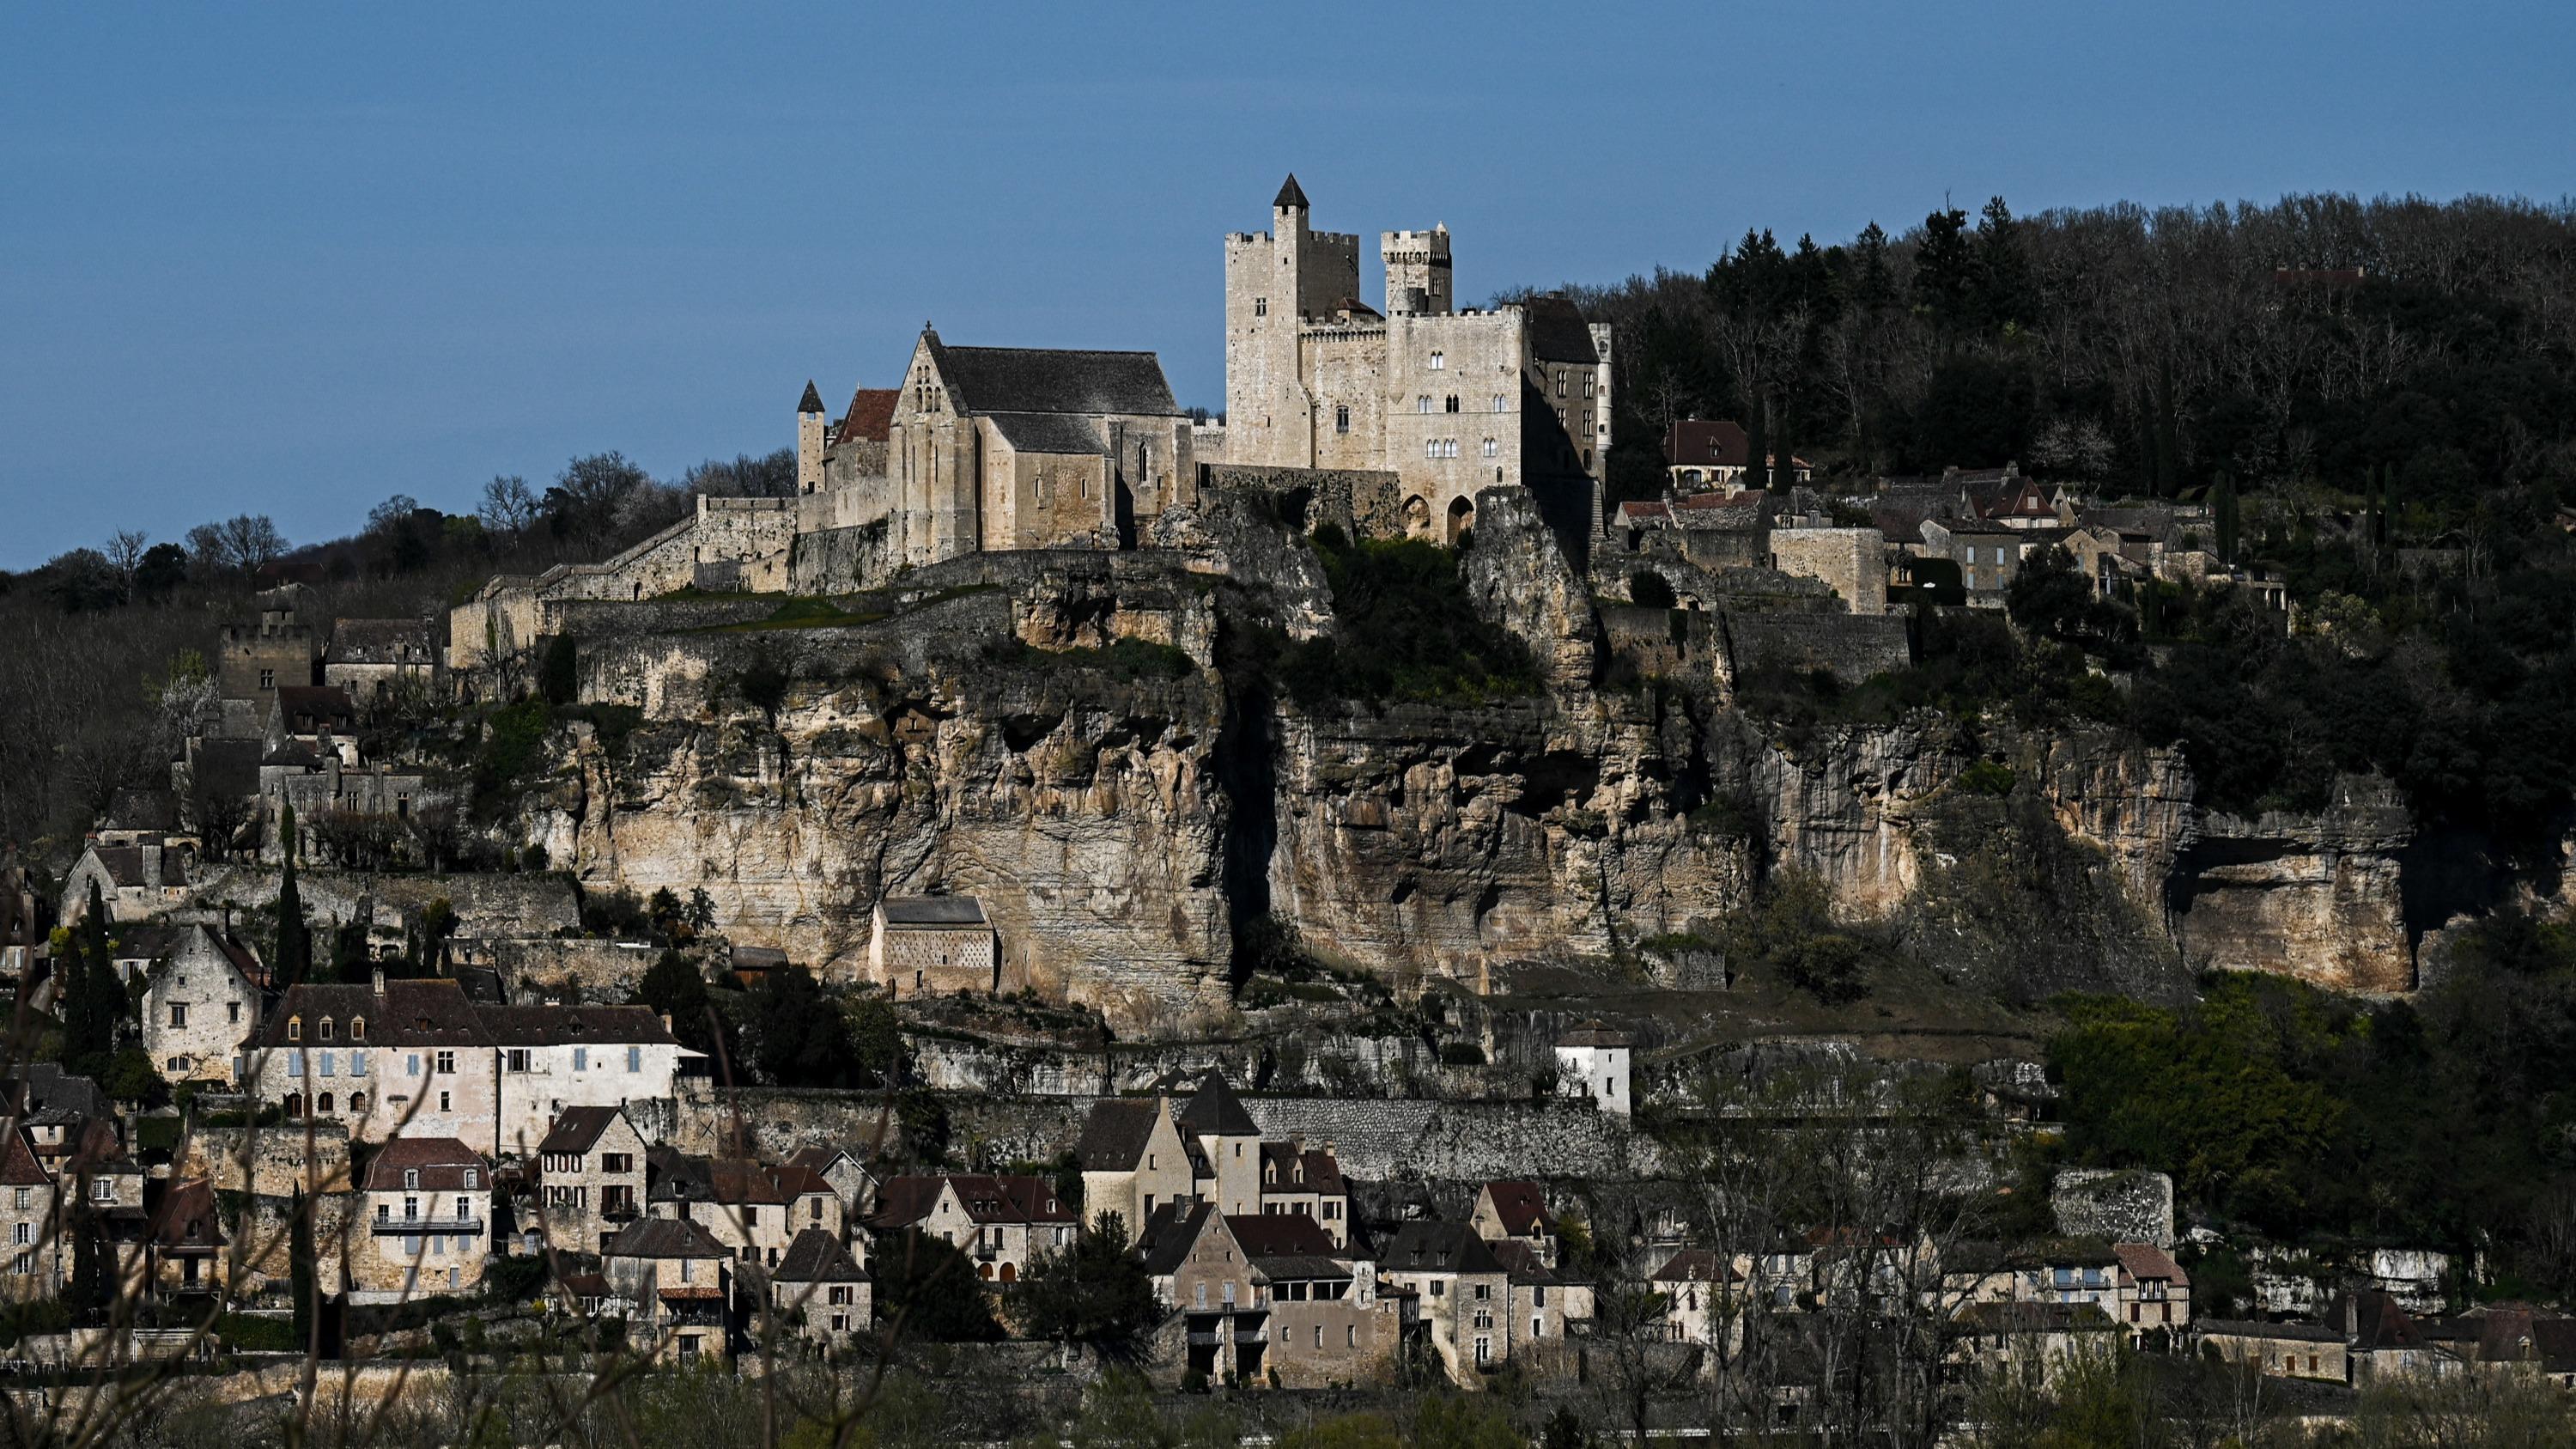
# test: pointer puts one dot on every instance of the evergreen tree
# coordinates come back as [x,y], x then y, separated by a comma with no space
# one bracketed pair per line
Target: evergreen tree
[803,1041]
[1093,1292]
[674,988]
[2005,293]
[1945,268]
[2224,516]
[294,937]
[1873,285]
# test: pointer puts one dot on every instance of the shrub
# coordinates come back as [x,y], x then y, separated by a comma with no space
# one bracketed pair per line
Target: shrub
[1404,628]
[246,1333]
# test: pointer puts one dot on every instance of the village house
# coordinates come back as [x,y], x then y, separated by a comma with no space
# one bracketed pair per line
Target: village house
[1225,1146]
[2030,1338]
[255,660]
[1134,1161]
[1702,1298]
[2283,1350]
[554,1057]
[590,1177]
[820,1292]
[933,945]
[1000,1223]
[1299,1181]
[733,1198]
[39,1258]
[1269,1296]
[135,882]
[2154,1291]
[1593,1061]
[849,1178]
[1515,1212]
[204,1000]
[375,661]
[681,1283]
[1701,455]
[428,1214]
[187,1241]
[1464,1290]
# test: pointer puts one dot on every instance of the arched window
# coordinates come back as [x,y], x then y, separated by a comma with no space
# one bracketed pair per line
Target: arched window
[322,1104]
[1439,360]
[357,1104]
[1422,404]
[295,1028]
[1450,403]
[295,1104]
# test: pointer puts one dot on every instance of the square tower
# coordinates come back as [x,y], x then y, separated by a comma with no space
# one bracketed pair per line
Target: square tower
[1272,282]
[1417,271]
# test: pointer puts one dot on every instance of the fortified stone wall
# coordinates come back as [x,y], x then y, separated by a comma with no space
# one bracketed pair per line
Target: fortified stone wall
[1851,647]
[270,1161]
[2124,1206]
[1852,560]
[852,556]
[1361,502]
[623,618]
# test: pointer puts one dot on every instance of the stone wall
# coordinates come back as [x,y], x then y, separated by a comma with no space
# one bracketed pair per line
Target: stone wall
[1851,647]
[1361,502]
[1852,560]
[620,618]
[270,1161]
[2124,1206]
[829,560]
[572,971]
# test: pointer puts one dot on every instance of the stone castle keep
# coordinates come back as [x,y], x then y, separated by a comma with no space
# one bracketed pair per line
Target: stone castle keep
[1003,449]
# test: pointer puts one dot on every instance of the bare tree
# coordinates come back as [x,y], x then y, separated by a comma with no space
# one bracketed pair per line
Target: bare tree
[125,550]
[508,504]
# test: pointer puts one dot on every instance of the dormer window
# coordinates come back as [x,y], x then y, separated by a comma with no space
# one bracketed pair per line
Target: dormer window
[1270,1172]
[411,1179]
[295,1028]
[326,1028]
[473,1177]
[357,1028]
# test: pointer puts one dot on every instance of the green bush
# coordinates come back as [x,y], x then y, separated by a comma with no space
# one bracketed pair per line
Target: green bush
[1985,777]
[1403,628]
[244,1333]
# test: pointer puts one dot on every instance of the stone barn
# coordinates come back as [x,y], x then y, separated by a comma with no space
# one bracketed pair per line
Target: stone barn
[926,944]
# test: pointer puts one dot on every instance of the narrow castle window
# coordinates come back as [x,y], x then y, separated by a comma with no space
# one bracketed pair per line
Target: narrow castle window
[1342,418]
[1450,404]
[1422,404]
[1501,404]
[1260,306]
[1491,449]
[1439,361]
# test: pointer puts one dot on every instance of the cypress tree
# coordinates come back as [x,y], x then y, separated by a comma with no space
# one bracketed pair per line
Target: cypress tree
[299,1266]
[2222,501]
[294,938]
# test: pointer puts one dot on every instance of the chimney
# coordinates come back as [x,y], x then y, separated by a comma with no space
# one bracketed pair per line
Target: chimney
[152,865]
[1328,1149]
[380,980]
[666,1021]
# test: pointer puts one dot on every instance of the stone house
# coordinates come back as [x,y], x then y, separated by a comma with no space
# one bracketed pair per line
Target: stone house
[187,1240]
[811,1200]
[1269,1296]
[821,1291]
[589,1178]
[1989,555]
[1225,1147]
[372,661]
[733,1198]
[850,449]
[1001,1223]
[255,660]
[1703,1297]
[418,1057]
[2283,1350]
[135,882]
[428,1213]
[1133,1160]
[203,1001]
[1593,1061]
[1515,1212]
[1298,1181]
[39,1259]
[1705,454]
[1464,1290]
[849,1178]
[1451,400]
[930,945]
[2038,1338]
[2154,1292]
[681,1283]
[1547,1303]
[1853,561]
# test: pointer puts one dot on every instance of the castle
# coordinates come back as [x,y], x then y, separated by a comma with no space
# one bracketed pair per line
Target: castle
[996,449]
[1450,401]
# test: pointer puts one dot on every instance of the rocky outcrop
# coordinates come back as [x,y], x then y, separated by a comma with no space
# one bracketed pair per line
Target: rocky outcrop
[2319,897]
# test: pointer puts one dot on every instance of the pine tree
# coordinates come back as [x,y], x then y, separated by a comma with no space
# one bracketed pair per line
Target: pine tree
[294,938]
[2223,510]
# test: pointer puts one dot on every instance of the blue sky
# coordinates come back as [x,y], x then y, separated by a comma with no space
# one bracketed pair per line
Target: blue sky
[292,260]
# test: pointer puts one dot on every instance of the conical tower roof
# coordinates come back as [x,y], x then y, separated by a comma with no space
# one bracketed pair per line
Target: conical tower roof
[1215,1111]
[813,402]
[1290,194]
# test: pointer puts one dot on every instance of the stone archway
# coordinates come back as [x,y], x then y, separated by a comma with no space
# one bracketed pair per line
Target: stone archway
[1462,516]
[984,1271]
[294,1105]
[1010,1273]
[1417,517]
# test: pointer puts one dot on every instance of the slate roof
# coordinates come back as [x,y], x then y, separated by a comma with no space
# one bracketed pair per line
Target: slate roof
[1054,380]
[1521,1207]
[226,767]
[2017,1317]
[1439,1248]
[817,1257]
[1171,1230]
[2255,1328]
[48,1085]
[1716,443]
[812,401]
[1594,1034]
[576,1130]
[1521,1260]
[1114,1135]
[871,416]
[148,943]
[1290,194]
[1065,433]
[1268,1235]
[1557,331]
[1215,1111]
[315,701]
[574,1026]
[134,808]
[124,865]
[987,1198]
[662,1238]
[378,641]
[1323,1170]
[441,1162]
[927,911]
[819,1160]
[419,1012]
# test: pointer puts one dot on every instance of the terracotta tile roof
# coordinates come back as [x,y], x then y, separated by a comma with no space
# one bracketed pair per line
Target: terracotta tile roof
[1696,1265]
[186,1220]
[18,1164]
[2145,1261]
[793,1182]
[441,1162]
[1273,1234]
[1521,1207]
[1717,444]
[871,416]
[1635,514]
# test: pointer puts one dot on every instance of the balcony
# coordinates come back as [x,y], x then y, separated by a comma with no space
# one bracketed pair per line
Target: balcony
[390,1227]
[1207,1339]
[623,1212]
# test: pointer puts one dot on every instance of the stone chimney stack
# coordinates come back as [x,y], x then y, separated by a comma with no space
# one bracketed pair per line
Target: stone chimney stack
[152,865]
[380,980]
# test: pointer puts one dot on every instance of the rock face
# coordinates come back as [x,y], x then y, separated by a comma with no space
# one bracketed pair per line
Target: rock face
[1054,732]
[2318,896]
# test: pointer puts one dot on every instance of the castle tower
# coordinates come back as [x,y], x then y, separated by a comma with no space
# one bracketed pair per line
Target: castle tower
[1417,271]
[809,441]
[1274,280]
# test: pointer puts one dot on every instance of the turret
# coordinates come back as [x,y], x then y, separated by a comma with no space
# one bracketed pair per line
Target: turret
[809,441]
[1417,271]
